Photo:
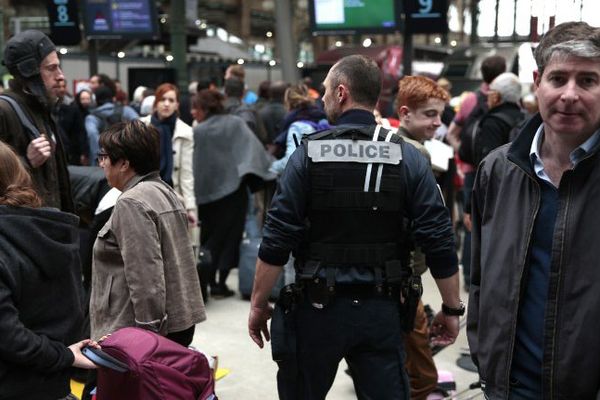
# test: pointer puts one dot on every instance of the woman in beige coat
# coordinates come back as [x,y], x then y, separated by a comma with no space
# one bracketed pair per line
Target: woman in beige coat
[143,273]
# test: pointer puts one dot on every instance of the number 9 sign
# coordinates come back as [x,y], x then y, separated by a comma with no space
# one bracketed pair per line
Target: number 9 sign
[426,16]
[426,6]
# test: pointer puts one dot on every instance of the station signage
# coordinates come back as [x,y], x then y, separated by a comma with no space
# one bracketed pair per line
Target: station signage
[426,16]
[64,22]
[110,19]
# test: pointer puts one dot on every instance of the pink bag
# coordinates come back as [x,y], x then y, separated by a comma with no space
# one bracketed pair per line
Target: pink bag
[159,369]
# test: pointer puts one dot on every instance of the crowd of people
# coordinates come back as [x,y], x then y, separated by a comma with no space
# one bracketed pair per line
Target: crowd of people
[186,174]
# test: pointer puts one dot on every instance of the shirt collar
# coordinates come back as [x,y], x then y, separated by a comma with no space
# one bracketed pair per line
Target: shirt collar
[576,155]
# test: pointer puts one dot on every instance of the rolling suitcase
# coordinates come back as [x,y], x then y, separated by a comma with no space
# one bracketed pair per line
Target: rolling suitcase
[247,268]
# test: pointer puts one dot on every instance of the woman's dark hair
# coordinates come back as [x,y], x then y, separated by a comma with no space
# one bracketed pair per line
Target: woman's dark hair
[210,101]
[134,141]
[103,95]
[16,188]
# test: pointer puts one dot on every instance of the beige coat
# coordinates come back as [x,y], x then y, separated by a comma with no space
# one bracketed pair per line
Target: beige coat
[183,174]
[144,272]
[183,150]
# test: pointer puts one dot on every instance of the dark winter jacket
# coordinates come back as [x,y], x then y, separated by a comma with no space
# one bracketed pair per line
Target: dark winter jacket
[72,130]
[506,201]
[495,128]
[51,179]
[272,115]
[40,302]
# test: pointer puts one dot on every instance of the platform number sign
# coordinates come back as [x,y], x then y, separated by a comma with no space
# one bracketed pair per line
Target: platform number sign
[426,16]
[64,22]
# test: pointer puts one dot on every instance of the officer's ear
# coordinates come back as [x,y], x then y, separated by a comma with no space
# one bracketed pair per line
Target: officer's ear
[342,94]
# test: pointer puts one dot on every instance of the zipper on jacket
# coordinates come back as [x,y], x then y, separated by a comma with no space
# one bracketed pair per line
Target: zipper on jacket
[521,285]
[558,287]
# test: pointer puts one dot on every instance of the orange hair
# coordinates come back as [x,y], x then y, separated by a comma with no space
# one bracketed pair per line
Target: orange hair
[415,91]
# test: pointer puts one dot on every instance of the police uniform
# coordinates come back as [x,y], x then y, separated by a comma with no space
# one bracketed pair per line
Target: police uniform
[341,207]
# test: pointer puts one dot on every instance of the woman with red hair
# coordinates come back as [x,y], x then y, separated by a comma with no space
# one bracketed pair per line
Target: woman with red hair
[176,146]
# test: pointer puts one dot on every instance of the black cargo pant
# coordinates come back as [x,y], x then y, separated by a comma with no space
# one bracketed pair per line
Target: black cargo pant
[364,331]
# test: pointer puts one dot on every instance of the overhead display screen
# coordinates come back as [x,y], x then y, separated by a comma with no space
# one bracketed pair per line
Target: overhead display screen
[354,16]
[120,19]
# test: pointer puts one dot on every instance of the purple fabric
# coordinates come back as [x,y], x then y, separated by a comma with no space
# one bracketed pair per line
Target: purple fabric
[159,369]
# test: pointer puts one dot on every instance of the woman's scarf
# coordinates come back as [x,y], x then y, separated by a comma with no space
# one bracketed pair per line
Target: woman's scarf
[166,129]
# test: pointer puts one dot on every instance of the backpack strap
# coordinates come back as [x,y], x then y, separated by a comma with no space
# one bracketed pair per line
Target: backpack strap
[25,121]
[117,113]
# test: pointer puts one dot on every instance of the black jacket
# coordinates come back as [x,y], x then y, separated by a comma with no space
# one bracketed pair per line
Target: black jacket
[495,127]
[72,130]
[506,201]
[285,226]
[272,114]
[40,302]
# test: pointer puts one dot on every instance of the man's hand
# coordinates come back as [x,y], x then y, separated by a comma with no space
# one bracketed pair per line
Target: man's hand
[257,323]
[467,221]
[192,218]
[444,329]
[80,360]
[38,151]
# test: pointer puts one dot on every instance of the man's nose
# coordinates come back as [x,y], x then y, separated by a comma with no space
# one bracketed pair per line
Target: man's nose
[571,91]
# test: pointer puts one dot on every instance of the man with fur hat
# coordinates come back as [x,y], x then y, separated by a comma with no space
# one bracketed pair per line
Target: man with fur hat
[31,58]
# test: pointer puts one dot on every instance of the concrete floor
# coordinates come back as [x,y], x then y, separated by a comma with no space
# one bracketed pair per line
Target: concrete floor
[252,372]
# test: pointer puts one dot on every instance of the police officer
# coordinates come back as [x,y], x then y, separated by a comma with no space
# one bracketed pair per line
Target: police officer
[343,212]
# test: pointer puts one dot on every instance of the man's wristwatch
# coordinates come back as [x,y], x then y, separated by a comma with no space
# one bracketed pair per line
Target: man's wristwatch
[455,312]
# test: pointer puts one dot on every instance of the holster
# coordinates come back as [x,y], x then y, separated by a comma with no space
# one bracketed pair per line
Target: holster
[412,289]
[283,342]
[283,325]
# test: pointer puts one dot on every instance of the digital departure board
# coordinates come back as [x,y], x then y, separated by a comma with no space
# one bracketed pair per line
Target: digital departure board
[354,16]
[108,19]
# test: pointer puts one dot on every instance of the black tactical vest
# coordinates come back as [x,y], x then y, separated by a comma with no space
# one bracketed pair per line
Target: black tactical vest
[356,201]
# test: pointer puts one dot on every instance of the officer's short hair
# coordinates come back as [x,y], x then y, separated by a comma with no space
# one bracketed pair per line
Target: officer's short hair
[415,91]
[571,39]
[361,75]
[134,141]
[491,67]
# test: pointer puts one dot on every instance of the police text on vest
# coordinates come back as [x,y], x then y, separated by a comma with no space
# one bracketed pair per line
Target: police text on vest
[361,151]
